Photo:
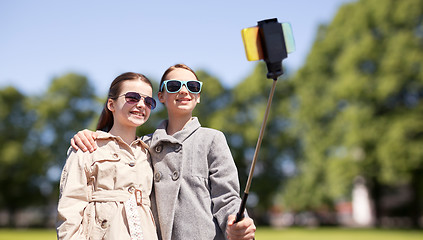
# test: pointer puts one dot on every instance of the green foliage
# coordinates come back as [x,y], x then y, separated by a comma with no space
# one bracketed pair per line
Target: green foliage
[359,102]
[241,121]
[68,105]
[20,158]
[213,99]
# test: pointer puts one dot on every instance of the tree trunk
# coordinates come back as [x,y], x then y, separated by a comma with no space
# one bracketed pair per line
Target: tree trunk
[416,205]
[375,191]
[12,217]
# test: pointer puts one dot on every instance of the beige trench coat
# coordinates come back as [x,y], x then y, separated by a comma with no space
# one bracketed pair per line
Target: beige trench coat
[94,187]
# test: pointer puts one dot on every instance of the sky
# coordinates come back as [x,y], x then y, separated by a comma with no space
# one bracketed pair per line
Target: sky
[44,39]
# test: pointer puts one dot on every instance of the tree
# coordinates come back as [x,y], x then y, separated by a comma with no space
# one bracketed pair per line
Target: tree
[68,106]
[241,121]
[360,103]
[214,97]
[21,158]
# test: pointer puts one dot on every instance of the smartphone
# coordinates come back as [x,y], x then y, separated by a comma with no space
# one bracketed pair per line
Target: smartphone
[253,46]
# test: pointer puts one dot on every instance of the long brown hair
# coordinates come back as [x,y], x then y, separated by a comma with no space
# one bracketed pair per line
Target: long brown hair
[105,122]
[171,68]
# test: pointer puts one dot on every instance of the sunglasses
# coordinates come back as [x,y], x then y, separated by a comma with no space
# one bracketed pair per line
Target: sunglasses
[134,98]
[174,86]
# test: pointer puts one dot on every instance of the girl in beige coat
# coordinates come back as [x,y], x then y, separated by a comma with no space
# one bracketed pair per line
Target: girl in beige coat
[105,194]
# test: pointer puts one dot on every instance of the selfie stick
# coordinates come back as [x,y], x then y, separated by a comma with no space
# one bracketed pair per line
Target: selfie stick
[266,41]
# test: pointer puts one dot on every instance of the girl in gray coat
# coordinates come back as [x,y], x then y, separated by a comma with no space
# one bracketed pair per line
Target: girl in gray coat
[196,189]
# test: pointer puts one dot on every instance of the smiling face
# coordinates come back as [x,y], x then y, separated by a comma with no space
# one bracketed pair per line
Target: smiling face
[182,102]
[130,115]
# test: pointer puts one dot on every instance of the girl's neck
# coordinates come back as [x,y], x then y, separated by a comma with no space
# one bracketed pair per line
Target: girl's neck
[127,134]
[177,123]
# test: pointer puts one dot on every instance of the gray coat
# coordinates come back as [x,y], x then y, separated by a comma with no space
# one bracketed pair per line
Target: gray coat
[195,182]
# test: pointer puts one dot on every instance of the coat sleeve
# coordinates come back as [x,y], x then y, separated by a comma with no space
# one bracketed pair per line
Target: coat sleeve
[224,183]
[73,197]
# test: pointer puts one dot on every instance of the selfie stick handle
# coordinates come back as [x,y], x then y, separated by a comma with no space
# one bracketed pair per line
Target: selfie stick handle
[240,214]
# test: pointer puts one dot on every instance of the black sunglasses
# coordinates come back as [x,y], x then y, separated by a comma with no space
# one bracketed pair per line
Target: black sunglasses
[134,98]
[174,86]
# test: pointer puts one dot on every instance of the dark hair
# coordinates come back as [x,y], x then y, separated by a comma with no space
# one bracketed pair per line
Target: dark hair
[105,122]
[171,68]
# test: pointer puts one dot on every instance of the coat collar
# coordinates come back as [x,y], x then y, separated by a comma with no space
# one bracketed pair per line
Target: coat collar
[160,135]
[105,135]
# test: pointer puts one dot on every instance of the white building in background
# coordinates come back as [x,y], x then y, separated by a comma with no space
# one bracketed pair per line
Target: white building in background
[362,206]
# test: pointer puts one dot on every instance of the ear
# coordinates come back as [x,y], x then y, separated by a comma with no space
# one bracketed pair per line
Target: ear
[160,95]
[198,99]
[111,105]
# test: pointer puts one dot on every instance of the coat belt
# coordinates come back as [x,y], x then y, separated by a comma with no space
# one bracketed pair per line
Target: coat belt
[116,196]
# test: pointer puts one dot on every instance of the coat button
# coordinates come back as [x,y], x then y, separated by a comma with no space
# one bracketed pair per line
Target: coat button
[104,224]
[131,189]
[175,175]
[131,164]
[157,176]
[159,148]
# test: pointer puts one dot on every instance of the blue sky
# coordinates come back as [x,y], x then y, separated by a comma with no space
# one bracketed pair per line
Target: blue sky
[43,39]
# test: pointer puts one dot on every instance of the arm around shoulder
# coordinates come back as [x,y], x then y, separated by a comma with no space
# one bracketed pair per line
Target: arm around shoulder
[84,140]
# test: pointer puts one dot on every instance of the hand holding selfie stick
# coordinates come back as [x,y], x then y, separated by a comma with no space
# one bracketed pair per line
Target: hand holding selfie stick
[270,41]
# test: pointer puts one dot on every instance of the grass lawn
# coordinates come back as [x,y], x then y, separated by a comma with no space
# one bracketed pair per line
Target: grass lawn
[263,234]
[337,234]
[21,234]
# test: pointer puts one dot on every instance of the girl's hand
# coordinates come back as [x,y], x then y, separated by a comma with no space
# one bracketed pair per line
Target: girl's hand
[84,140]
[242,230]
